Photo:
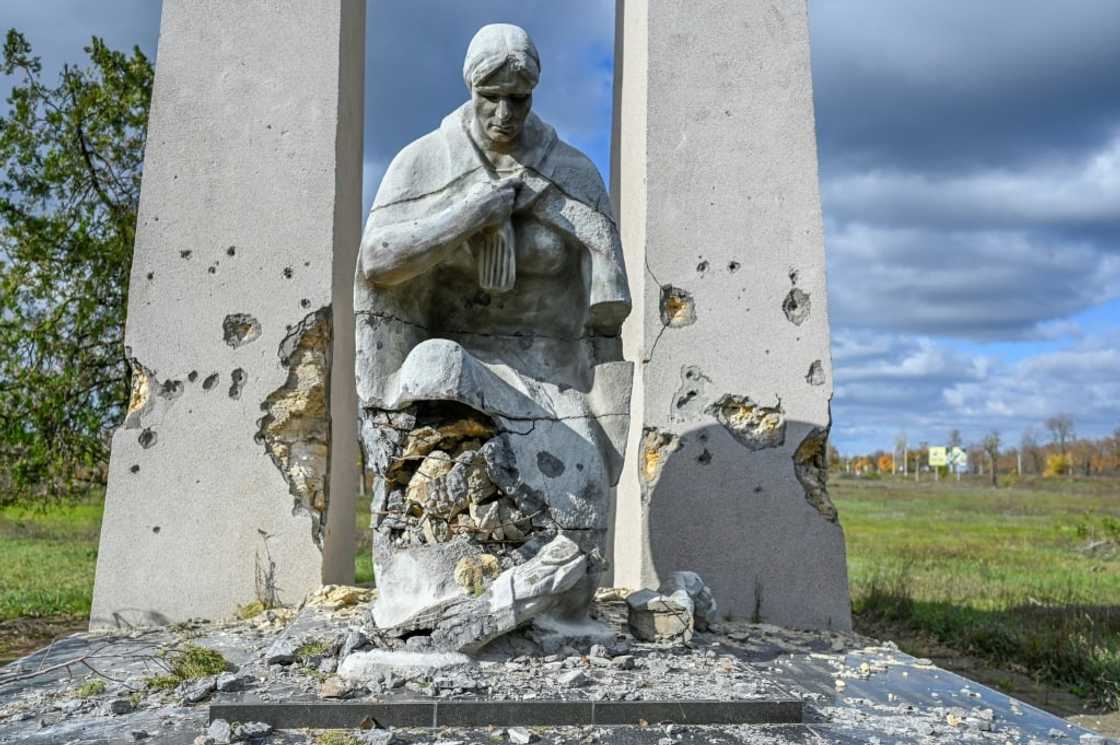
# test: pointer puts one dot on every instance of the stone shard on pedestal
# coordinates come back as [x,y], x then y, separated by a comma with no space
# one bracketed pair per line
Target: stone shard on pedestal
[715,184]
[232,478]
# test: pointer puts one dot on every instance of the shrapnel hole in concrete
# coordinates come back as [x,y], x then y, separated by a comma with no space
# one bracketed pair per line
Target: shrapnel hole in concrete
[295,429]
[236,383]
[452,477]
[210,382]
[147,438]
[677,307]
[796,306]
[810,464]
[239,329]
[139,399]
[815,376]
[171,389]
[657,446]
[755,426]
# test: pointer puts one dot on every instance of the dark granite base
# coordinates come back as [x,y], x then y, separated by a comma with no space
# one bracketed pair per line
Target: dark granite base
[352,715]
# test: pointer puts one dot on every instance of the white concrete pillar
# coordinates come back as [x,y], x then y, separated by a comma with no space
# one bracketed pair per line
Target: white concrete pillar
[715,178]
[240,296]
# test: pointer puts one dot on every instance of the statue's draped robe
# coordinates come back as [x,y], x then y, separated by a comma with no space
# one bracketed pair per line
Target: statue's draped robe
[567,432]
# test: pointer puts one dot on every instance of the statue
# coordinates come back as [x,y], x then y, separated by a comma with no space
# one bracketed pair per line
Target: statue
[489,296]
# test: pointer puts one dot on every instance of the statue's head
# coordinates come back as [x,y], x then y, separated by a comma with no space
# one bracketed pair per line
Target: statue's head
[501,70]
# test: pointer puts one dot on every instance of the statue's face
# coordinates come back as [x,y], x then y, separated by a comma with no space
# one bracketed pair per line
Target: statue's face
[501,104]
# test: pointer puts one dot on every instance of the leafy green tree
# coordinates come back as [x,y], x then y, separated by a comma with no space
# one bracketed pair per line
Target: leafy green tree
[70,163]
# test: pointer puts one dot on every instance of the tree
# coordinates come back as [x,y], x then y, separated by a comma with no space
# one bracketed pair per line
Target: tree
[900,451]
[1030,448]
[991,448]
[954,439]
[70,163]
[1061,430]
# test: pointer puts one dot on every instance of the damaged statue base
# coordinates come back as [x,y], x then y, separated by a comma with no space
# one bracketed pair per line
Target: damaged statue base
[854,690]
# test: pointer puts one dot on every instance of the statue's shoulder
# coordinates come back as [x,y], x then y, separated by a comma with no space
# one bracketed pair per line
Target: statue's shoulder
[422,167]
[577,175]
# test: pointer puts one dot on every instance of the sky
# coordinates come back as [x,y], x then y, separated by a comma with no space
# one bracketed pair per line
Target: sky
[970,180]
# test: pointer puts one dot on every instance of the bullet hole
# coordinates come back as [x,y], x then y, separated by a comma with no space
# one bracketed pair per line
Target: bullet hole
[549,464]
[147,438]
[704,458]
[151,276]
[237,382]
[677,307]
[185,254]
[579,466]
[702,267]
[815,375]
[239,329]
[155,529]
[305,303]
[733,266]
[703,437]
[210,382]
[793,275]
[213,269]
[689,399]
[232,250]
[135,468]
[170,389]
[758,490]
[287,272]
[192,375]
[307,263]
[796,306]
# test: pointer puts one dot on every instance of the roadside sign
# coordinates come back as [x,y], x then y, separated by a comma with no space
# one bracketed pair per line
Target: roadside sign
[958,460]
[938,457]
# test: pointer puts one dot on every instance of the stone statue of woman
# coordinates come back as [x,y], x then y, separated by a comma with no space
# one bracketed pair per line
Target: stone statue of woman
[494,399]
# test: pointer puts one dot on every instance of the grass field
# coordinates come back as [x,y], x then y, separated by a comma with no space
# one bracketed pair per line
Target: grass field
[1025,576]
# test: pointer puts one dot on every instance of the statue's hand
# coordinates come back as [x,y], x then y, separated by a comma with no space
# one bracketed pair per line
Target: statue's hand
[491,203]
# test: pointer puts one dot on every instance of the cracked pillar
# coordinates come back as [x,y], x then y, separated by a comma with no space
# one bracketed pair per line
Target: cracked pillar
[715,181]
[233,476]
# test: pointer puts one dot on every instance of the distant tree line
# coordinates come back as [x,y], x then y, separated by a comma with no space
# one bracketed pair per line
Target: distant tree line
[1057,451]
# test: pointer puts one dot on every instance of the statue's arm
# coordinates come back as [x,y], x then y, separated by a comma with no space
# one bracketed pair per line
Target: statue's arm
[397,252]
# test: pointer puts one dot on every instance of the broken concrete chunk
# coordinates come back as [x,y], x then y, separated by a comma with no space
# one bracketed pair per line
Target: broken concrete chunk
[281,652]
[653,617]
[704,607]
[513,598]
[682,603]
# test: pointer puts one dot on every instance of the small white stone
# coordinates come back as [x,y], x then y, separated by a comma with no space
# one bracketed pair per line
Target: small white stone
[520,735]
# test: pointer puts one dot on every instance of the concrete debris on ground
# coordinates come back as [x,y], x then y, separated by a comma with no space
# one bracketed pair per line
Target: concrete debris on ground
[886,697]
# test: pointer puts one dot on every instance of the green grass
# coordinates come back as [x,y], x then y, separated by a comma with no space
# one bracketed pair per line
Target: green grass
[188,662]
[47,560]
[1027,576]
